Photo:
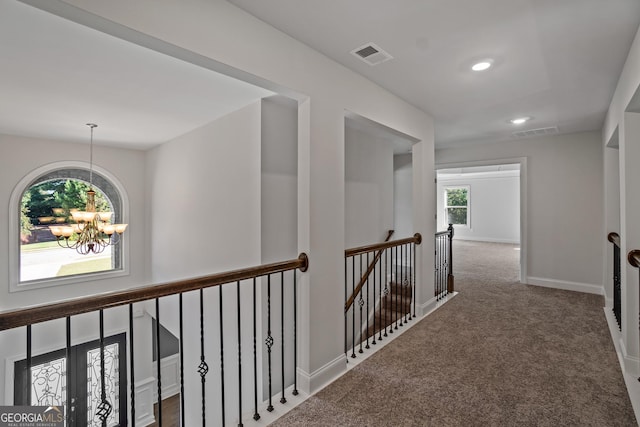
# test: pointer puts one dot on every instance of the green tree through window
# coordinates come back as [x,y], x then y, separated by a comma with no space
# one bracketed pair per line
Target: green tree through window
[457,205]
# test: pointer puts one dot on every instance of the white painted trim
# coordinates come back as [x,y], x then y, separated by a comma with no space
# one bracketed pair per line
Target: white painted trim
[14,234]
[630,378]
[566,285]
[523,200]
[487,239]
[326,374]
[170,371]
[426,308]
[608,302]
[144,401]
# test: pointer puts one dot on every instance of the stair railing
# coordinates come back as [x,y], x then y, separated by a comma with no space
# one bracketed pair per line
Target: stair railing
[233,282]
[381,279]
[614,238]
[443,266]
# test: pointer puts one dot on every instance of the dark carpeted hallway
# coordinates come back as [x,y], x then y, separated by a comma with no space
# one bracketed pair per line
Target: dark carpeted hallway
[498,354]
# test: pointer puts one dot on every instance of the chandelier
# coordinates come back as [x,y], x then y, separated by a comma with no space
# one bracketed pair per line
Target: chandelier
[92,231]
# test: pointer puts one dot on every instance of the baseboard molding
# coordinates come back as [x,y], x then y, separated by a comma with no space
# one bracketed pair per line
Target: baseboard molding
[427,307]
[630,373]
[144,401]
[170,370]
[318,379]
[487,239]
[566,285]
[631,363]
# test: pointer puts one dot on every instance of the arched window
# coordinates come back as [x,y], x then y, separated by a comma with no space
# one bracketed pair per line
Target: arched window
[46,198]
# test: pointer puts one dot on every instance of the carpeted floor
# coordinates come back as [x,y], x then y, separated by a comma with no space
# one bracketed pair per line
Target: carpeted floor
[498,354]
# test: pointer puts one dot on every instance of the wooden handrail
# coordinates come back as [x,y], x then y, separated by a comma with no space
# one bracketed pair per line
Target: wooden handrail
[417,239]
[363,279]
[42,313]
[634,258]
[614,238]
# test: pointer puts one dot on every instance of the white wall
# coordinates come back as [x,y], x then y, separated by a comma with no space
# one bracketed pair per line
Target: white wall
[564,207]
[279,224]
[368,188]
[494,206]
[403,196]
[200,31]
[279,179]
[205,209]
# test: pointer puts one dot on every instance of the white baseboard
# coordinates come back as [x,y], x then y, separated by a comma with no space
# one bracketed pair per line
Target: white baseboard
[566,285]
[144,401]
[427,307]
[170,370]
[631,363]
[487,239]
[628,366]
[318,379]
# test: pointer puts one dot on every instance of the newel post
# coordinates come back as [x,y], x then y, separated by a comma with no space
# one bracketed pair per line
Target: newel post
[450,272]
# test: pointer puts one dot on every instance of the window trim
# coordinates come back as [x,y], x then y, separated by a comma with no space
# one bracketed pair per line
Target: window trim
[446,205]
[14,229]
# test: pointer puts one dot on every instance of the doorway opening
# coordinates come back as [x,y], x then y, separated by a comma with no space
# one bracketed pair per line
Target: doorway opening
[486,203]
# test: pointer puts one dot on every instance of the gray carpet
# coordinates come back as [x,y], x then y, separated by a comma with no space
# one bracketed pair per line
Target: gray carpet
[498,354]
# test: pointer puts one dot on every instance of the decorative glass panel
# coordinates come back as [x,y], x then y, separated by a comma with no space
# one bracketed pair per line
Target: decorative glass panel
[94,385]
[49,383]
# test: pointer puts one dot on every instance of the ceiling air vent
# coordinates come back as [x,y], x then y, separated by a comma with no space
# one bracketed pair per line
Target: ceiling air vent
[536,132]
[371,54]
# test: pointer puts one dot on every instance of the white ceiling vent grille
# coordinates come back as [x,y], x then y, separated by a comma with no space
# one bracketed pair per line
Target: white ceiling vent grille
[536,132]
[371,53]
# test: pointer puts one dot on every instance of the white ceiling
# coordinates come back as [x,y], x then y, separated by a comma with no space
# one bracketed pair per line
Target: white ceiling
[58,75]
[556,61]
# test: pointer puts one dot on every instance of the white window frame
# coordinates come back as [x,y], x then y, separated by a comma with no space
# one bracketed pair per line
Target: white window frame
[15,285]
[446,206]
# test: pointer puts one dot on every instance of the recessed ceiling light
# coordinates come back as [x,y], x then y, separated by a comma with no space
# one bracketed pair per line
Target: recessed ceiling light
[520,120]
[482,65]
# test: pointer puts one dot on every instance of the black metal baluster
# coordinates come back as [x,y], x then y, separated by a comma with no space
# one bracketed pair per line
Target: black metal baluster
[256,416]
[382,258]
[68,365]
[401,285]
[438,267]
[282,399]
[367,313]
[407,303]
[395,293]
[450,269]
[158,366]
[104,408]
[269,340]
[353,309]
[295,335]
[182,412]
[386,291]
[376,258]
[361,304]
[28,376]
[439,254]
[239,357]
[413,279]
[222,411]
[132,375]
[203,368]
[346,312]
